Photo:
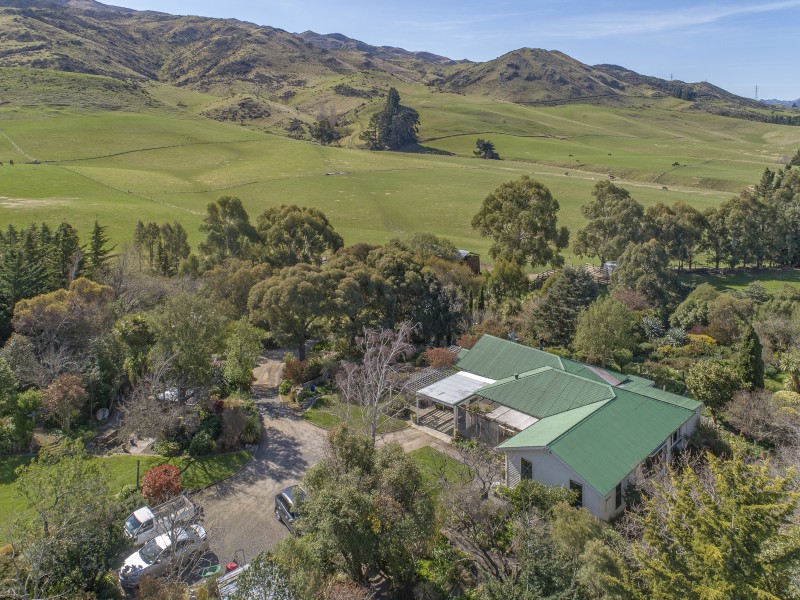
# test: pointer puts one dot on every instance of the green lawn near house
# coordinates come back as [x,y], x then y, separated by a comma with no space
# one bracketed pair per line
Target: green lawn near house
[433,463]
[328,412]
[196,473]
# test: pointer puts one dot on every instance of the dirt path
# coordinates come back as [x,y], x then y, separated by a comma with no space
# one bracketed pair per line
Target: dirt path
[239,512]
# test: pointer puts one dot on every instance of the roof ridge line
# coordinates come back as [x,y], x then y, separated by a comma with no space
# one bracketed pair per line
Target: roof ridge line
[660,400]
[574,425]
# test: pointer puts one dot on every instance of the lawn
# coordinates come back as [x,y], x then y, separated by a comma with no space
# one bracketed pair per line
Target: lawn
[433,463]
[328,412]
[196,473]
[771,280]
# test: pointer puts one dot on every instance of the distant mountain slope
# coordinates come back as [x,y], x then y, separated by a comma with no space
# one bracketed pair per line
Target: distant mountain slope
[703,91]
[531,75]
[787,103]
[75,4]
[180,50]
[236,60]
[338,41]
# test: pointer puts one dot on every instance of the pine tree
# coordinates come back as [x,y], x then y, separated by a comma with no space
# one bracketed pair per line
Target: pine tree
[99,253]
[751,363]
[68,254]
[725,532]
[393,127]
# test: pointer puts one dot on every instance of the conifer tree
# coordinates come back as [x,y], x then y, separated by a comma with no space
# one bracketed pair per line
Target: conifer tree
[751,363]
[99,252]
[725,532]
[393,127]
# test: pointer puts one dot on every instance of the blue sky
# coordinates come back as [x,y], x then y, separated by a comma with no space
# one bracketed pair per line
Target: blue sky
[737,45]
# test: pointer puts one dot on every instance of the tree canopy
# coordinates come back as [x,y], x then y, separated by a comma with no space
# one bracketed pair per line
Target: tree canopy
[614,220]
[485,149]
[556,315]
[227,228]
[605,327]
[522,218]
[724,532]
[293,303]
[291,234]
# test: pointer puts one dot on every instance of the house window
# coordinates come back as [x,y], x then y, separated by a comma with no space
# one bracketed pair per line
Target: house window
[618,496]
[655,462]
[676,436]
[525,469]
[576,487]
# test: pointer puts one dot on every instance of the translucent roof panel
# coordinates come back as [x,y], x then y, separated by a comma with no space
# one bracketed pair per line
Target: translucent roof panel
[511,418]
[454,389]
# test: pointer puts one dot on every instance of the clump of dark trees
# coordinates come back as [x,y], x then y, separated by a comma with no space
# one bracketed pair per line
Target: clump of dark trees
[392,128]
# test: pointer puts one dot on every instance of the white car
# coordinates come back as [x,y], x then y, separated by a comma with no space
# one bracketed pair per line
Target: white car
[157,555]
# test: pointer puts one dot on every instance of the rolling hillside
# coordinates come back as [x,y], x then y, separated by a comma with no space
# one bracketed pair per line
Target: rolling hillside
[118,116]
[233,59]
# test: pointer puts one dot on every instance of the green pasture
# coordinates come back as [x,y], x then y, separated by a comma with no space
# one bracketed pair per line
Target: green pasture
[196,473]
[771,280]
[155,162]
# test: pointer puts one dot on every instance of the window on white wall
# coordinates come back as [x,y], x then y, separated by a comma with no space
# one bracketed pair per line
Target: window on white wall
[525,469]
[676,436]
[618,496]
[576,487]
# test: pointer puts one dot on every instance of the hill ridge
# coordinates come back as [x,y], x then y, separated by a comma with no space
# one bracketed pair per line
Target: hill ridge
[236,59]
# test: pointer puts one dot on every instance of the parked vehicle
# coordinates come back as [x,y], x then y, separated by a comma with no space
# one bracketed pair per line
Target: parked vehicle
[158,555]
[146,523]
[286,504]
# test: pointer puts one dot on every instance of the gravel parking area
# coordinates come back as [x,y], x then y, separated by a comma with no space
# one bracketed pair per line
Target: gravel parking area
[239,512]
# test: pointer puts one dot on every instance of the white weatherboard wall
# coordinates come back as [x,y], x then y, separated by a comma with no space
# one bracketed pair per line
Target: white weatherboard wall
[551,470]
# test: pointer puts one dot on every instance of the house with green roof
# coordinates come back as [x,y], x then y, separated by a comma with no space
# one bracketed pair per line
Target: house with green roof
[562,422]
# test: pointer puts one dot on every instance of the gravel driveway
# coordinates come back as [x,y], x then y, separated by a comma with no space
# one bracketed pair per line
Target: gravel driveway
[239,512]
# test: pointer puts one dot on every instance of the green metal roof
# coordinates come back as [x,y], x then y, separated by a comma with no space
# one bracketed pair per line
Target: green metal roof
[547,430]
[545,392]
[497,359]
[609,444]
[593,373]
[602,431]
[644,387]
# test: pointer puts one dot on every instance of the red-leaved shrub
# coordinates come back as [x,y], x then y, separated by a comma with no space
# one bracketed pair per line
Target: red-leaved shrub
[440,357]
[161,483]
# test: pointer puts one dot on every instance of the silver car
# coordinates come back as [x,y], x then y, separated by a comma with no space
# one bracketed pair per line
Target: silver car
[157,556]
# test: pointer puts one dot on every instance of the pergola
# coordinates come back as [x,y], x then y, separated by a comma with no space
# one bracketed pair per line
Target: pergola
[451,391]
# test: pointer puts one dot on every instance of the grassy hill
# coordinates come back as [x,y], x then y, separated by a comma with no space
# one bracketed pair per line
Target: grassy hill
[120,152]
[150,116]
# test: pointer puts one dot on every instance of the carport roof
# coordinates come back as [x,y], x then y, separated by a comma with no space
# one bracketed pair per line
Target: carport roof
[454,389]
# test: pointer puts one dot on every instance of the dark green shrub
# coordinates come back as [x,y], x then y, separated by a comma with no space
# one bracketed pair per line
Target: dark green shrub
[168,448]
[8,437]
[211,424]
[202,444]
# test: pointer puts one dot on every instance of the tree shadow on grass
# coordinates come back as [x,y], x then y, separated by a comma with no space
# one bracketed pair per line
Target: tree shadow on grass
[8,466]
[420,149]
